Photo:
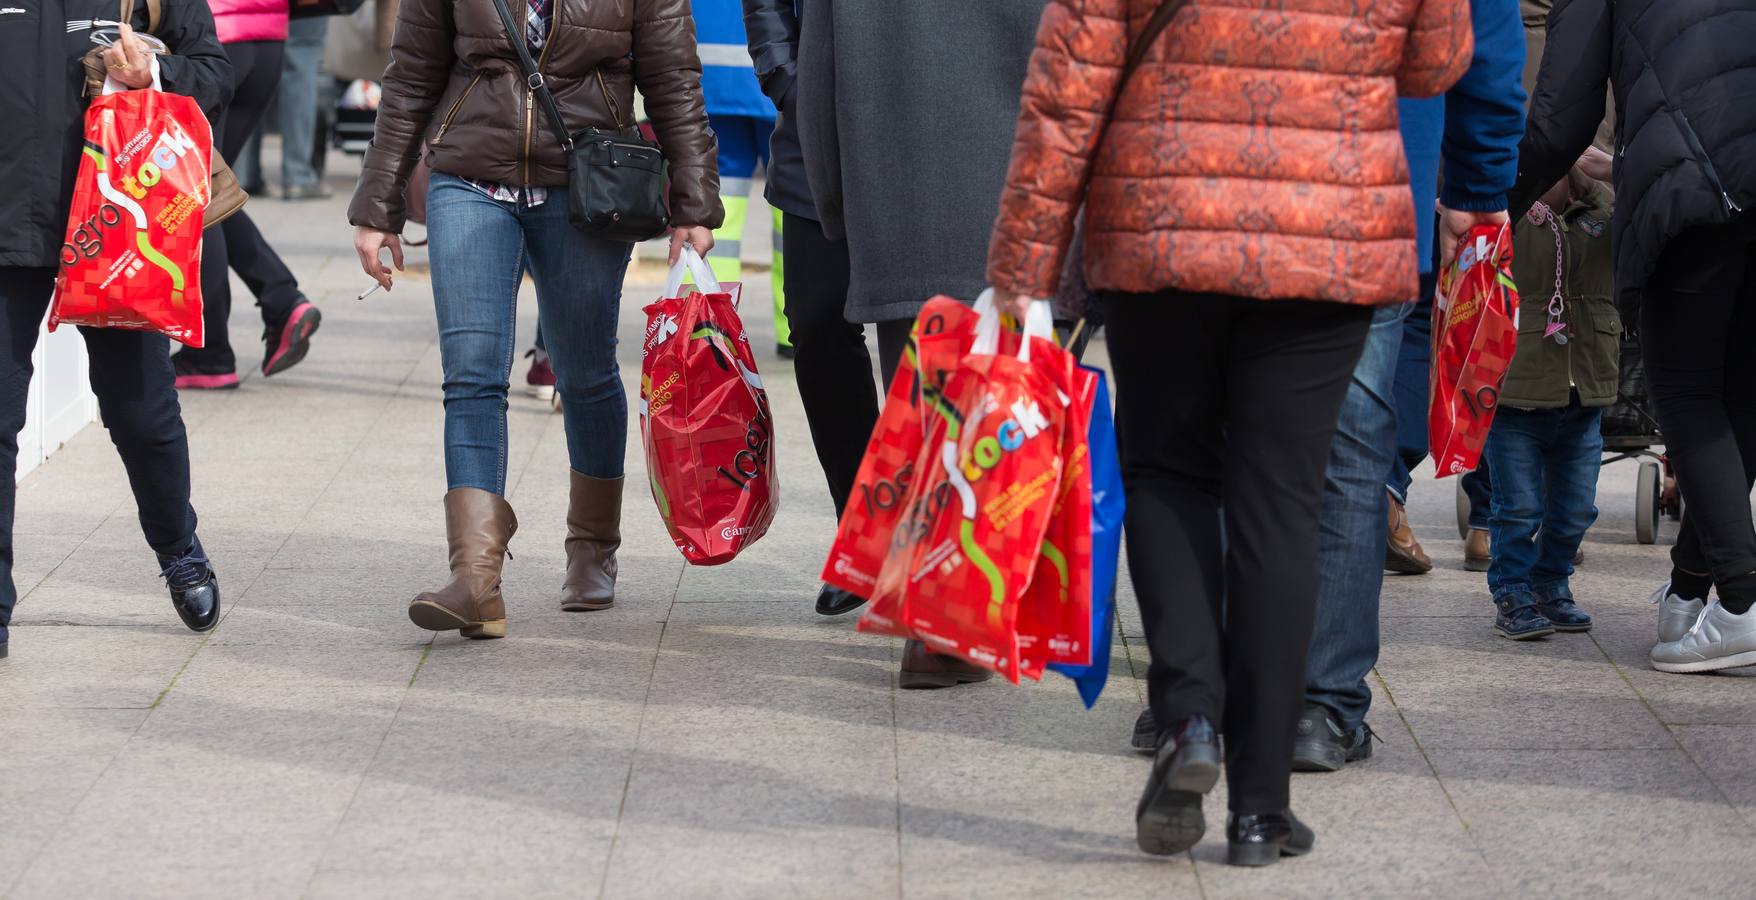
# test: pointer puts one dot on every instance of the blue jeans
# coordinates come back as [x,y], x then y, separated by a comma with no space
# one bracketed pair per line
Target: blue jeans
[480,249]
[1545,465]
[1414,365]
[296,100]
[1353,528]
[1479,485]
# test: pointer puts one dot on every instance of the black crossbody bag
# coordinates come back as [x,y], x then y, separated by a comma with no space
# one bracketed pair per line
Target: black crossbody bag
[615,179]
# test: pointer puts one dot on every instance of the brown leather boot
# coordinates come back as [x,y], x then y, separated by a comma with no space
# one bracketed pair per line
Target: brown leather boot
[1476,551]
[478,526]
[922,668]
[594,531]
[1404,555]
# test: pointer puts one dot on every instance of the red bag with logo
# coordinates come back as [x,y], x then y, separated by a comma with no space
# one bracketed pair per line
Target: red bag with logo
[132,258]
[1475,333]
[942,334]
[705,421]
[1054,616]
[981,503]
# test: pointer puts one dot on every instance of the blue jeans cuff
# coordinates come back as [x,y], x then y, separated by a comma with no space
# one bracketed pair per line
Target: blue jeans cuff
[1515,596]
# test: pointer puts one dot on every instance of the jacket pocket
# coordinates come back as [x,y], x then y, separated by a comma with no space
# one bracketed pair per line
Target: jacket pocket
[456,105]
[1597,350]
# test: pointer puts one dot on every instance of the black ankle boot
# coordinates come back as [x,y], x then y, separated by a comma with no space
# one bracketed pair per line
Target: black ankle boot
[1186,766]
[195,593]
[1261,839]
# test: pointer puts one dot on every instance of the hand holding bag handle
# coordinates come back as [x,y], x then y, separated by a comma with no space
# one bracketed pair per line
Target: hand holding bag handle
[615,181]
[690,262]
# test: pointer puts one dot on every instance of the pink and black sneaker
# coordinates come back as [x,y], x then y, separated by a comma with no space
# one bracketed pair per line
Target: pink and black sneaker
[288,341]
[191,377]
[539,382]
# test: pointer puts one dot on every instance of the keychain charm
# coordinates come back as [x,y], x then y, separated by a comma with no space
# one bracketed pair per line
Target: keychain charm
[1556,329]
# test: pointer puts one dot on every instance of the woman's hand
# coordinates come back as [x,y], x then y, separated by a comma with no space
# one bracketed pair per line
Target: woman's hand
[129,62]
[370,242]
[1011,303]
[695,236]
[1597,164]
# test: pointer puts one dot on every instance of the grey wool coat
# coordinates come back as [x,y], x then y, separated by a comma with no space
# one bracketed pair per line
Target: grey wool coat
[907,110]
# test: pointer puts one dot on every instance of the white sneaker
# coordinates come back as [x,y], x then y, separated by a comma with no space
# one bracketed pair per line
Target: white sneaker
[1675,614]
[1718,640]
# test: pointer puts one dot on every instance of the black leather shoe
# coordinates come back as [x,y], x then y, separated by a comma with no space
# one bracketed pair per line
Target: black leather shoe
[1261,839]
[833,601]
[1145,737]
[1320,745]
[1563,613]
[1186,766]
[195,592]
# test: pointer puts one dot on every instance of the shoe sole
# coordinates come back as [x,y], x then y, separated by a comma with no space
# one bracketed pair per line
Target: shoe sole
[1735,661]
[1476,565]
[1170,820]
[1143,743]
[226,382]
[927,681]
[1574,629]
[295,339]
[540,391]
[832,612]
[1256,855]
[1524,636]
[1402,564]
[583,606]
[433,617]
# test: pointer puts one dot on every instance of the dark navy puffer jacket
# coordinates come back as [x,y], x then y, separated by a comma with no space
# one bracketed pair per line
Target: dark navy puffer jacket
[1683,73]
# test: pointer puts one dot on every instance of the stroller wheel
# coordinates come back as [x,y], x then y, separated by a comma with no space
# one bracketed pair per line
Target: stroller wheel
[1648,502]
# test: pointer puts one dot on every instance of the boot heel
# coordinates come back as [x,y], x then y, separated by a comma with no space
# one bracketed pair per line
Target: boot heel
[484,630]
[1254,854]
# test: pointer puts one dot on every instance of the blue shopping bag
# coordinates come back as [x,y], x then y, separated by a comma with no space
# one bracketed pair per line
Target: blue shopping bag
[1107,506]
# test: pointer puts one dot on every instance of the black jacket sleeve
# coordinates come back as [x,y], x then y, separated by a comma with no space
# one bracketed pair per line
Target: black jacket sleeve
[1568,102]
[198,66]
[772,27]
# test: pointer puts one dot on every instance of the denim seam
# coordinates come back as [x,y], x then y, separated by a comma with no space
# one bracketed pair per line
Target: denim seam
[510,335]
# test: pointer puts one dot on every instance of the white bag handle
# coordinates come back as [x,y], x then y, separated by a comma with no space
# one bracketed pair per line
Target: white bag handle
[112,86]
[691,262]
[1039,321]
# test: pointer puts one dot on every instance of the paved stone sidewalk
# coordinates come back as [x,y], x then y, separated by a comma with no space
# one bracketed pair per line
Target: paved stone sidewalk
[711,736]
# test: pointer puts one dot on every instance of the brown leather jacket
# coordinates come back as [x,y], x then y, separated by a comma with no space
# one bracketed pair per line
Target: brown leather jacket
[1255,152]
[454,90]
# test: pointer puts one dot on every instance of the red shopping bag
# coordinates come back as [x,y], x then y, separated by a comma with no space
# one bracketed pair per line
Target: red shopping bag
[942,333]
[1054,616]
[132,258]
[1475,332]
[981,502]
[705,421]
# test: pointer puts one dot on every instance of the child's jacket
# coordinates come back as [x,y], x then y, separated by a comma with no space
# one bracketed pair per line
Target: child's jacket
[1544,372]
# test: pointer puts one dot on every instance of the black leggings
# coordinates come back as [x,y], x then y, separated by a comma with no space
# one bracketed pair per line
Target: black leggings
[1698,324]
[131,375]
[834,367]
[236,244]
[1227,405]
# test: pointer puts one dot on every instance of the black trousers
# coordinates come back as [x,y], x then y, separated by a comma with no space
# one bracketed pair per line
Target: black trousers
[1698,326]
[833,366]
[1226,409]
[131,375]
[236,244]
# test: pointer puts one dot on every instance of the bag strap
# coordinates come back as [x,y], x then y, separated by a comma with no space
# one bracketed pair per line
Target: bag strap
[154,9]
[533,78]
[1155,26]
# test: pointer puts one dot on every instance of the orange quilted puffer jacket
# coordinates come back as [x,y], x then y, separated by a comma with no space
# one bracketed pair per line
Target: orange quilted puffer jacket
[1255,152]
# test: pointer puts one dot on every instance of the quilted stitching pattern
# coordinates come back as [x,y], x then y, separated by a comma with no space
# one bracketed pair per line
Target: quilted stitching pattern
[1255,152]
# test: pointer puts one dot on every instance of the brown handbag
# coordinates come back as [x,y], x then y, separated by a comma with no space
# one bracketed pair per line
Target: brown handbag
[225,195]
